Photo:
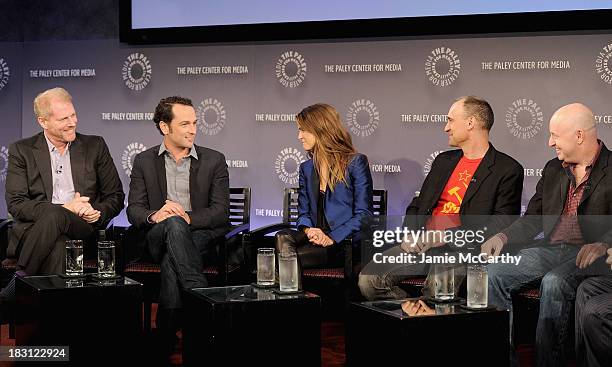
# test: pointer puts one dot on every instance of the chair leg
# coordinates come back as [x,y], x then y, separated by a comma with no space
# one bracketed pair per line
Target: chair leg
[147,316]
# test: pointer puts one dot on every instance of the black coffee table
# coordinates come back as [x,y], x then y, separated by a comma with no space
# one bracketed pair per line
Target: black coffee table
[381,334]
[246,325]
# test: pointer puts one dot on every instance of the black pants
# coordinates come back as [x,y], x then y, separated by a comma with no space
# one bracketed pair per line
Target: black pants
[42,248]
[309,255]
[594,322]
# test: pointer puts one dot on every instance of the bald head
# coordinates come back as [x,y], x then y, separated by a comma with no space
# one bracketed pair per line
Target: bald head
[574,116]
[573,133]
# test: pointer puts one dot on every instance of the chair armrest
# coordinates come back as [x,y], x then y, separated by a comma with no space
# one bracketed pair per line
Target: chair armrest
[236,230]
[262,231]
[347,243]
[5,222]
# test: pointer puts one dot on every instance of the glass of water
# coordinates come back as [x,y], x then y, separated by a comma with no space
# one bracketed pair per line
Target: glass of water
[266,266]
[444,276]
[288,272]
[445,309]
[477,286]
[106,259]
[74,257]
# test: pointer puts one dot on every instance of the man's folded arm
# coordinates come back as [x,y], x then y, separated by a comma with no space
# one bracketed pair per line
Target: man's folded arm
[138,210]
[110,191]
[216,215]
[18,202]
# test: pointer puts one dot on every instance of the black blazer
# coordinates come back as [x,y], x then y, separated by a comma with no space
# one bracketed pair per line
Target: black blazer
[29,182]
[208,188]
[546,206]
[494,194]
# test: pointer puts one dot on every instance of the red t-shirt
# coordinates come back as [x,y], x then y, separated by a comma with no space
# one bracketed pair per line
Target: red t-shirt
[446,213]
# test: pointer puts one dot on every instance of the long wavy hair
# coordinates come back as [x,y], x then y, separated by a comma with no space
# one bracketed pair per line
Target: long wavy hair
[333,148]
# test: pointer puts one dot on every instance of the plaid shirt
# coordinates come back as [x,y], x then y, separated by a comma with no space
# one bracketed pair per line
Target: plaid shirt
[568,229]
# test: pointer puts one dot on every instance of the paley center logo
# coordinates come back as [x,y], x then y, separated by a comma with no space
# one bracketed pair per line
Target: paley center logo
[5,73]
[130,152]
[362,117]
[211,116]
[3,163]
[524,118]
[291,69]
[442,66]
[287,165]
[136,71]
[602,64]
[429,161]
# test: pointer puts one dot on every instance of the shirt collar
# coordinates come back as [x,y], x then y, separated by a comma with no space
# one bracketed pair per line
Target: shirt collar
[52,147]
[593,161]
[192,152]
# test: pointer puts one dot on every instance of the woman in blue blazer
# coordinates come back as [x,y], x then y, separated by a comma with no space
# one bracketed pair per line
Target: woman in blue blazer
[335,192]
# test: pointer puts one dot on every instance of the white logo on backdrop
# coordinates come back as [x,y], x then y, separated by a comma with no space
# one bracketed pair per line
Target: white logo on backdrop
[442,66]
[524,118]
[211,116]
[429,162]
[291,69]
[136,71]
[362,117]
[287,165]
[385,168]
[130,152]
[237,163]
[5,72]
[602,64]
[3,163]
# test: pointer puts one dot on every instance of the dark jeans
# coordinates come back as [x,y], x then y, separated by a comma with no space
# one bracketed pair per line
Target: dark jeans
[594,322]
[42,248]
[179,251]
[554,267]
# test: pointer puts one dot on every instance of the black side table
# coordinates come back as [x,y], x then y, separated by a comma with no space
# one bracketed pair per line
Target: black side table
[243,324]
[99,321]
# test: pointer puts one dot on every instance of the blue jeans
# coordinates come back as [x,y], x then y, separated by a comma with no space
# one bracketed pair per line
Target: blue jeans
[179,252]
[554,267]
[382,281]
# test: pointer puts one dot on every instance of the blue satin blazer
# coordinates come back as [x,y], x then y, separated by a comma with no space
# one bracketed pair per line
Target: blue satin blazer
[345,207]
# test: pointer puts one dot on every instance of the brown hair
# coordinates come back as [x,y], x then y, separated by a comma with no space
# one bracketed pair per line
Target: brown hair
[163,111]
[479,108]
[333,148]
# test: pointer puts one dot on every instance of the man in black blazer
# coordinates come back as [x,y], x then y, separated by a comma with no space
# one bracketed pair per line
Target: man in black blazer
[60,185]
[571,207]
[179,201]
[475,187]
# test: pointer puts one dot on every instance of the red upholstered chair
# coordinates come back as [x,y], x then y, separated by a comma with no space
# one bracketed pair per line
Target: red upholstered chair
[221,273]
